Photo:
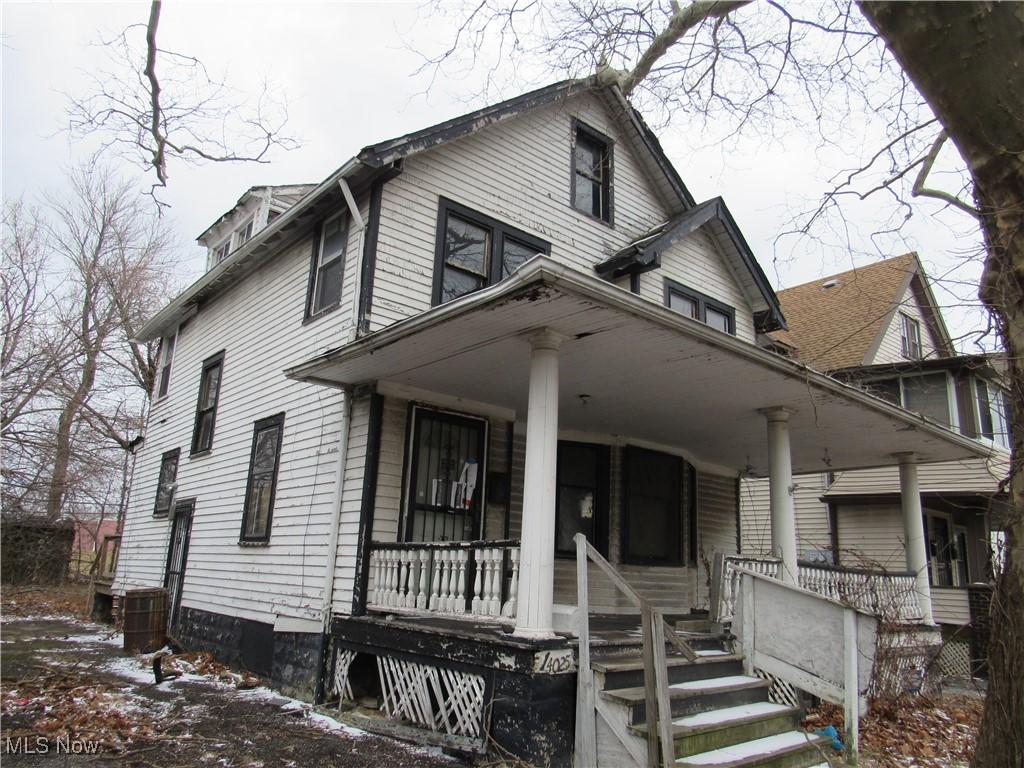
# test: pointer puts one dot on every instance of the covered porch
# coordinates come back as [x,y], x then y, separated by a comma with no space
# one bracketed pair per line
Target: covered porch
[551,357]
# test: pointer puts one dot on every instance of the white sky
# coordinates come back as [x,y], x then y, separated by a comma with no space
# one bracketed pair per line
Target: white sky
[348,79]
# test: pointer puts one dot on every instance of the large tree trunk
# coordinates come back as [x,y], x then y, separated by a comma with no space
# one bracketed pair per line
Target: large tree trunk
[965,59]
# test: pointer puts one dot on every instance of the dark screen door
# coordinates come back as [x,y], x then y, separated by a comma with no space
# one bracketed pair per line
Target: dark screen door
[582,496]
[177,556]
[653,506]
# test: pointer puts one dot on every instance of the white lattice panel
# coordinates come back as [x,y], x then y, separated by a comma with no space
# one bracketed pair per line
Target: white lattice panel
[955,659]
[440,699]
[340,685]
[780,691]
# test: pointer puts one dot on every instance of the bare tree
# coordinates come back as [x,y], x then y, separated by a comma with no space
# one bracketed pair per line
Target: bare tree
[154,105]
[937,76]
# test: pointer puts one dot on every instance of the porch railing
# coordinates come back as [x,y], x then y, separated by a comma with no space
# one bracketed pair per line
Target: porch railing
[471,578]
[889,594]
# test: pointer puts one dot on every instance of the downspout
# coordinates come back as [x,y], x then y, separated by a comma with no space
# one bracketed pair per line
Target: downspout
[360,225]
[327,597]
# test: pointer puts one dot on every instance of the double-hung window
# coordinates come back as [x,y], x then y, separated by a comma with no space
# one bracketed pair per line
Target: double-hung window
[262,483]
[993,413]
[243,233]
[910,337]
[475,250]
[206,407]
[167,483]
[691,303]
[221,251]
[164,369]
[592,172]
[929,394]
[328,266]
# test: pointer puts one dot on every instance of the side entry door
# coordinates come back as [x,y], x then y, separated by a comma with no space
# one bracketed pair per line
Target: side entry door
[177,556]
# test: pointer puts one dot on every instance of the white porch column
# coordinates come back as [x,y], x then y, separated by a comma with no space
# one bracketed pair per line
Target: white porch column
[780,481]
[913,531]
[537,552]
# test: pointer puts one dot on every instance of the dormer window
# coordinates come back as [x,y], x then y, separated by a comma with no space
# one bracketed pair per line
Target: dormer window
[221,251]
[910,337]
[244,232]
[592,173]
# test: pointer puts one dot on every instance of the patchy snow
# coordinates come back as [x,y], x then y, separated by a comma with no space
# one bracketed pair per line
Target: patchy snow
[130,668]
[737,752]
[729,714]
[288,704]
[106,639]
[714,682]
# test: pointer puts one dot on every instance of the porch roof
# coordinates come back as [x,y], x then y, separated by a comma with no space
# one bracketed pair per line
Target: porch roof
[648,373]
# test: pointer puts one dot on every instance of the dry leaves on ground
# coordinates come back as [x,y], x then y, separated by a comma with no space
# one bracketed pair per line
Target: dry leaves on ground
[66,600]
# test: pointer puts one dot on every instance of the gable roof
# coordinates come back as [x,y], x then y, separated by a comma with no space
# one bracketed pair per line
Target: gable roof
[644,254]
[838,321]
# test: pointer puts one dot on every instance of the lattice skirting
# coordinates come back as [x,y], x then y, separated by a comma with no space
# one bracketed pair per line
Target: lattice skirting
[444,700]
[340,685]
[780,691]
[955,659]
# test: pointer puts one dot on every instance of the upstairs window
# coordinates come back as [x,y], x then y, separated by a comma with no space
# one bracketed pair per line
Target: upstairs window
[691,303]
[993,413]
[328,266]
[206,407]
[475,250]
[167,483]
[910,334]
[243,233]
[164,365]
[928,394]
[592,172]
[221,251]
[262,483]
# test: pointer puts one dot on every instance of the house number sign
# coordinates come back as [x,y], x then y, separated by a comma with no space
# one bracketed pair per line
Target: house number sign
[553,662]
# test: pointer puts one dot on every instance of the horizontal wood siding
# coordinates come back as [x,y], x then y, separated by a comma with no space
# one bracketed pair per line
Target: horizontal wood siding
[950,606]
[890,350]
[812,526]
[967,476]
[872,536]
[351,507]
[387,511]
[716,526]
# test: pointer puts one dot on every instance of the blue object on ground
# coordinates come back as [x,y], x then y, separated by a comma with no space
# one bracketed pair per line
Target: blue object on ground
[830,732]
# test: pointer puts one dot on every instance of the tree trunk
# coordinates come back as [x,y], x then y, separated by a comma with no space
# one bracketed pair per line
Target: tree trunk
[965,59]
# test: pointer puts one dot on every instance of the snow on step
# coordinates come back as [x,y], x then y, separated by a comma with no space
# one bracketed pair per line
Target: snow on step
[714,682]
[712,653]
[730,714]
[765,746]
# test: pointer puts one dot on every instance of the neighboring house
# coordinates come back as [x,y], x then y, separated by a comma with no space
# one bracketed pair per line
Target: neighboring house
[878,327]
[383,415]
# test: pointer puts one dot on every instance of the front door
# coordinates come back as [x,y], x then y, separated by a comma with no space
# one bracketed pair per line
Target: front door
[581,503]
[446,477]
[177,555]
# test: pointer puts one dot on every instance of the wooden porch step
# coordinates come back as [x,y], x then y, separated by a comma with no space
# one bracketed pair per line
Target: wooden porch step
[792,749]
[627,671]
[693,697]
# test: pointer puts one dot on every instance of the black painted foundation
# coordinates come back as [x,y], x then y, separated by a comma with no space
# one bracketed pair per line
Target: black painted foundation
[289,660]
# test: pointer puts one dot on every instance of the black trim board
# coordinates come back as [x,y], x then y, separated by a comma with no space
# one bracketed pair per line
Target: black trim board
[369,500]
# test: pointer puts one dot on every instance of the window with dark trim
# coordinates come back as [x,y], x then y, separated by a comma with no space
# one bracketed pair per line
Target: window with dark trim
[581,496]
[262,483]
[206,406]
[697,305]
[167,483]
[166,357]
[591,172]
[328,266]
[475,251]
[910,337]
[653,506]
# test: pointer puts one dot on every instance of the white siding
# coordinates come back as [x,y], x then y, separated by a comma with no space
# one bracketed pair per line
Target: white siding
[351,507]
[872,537]
[387,509]
[950,606]
[258,323]
[716,526]
[812,526]
[890,350]
[966,476]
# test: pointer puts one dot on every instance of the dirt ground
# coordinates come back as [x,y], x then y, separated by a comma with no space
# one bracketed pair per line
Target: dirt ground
[67,686]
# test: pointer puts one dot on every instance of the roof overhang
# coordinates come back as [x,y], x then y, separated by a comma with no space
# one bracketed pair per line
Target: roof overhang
[649,374]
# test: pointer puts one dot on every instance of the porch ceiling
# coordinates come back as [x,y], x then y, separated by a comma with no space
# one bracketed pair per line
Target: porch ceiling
[649,374]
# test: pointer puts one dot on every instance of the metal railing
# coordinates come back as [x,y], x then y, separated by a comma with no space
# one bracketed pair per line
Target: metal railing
[477,579]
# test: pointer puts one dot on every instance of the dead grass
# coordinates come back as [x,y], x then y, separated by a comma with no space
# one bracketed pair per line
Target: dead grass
[70,599]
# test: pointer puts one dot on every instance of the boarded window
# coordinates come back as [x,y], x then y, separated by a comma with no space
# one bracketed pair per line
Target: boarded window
[653,508]
[262,482]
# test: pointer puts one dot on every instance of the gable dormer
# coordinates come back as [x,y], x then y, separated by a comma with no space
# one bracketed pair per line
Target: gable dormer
[255,209]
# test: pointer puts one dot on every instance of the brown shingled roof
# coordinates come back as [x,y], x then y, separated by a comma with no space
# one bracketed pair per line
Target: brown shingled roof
[835,327]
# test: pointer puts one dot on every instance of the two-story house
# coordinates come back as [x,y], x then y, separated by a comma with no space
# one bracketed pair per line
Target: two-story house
[385,412]
[880,328]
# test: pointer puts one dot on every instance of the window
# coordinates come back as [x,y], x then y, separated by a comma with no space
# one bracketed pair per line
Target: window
[166,356]
[592,172]
[328,266]
[221,251]
[581,500]
[259,491]
[653,506]
[993,413]
[166,484]
[243,233]
[206,408]
[928,394]
[910,337]
[691,303]
[474,251]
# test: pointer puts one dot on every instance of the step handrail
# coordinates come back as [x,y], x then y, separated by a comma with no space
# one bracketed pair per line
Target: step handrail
[655,632]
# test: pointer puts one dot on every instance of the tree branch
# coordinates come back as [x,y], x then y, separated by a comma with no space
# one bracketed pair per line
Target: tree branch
[920,190]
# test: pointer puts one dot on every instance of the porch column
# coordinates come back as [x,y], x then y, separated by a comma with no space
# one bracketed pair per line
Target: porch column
[913,532]
[780,482]
[537,552]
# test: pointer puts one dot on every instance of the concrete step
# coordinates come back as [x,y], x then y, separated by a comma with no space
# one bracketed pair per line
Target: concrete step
[791,749]
[721,728]
[627,670]
[694,697]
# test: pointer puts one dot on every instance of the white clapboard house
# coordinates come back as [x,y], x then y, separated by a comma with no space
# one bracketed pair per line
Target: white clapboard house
[879,327]
[395,398]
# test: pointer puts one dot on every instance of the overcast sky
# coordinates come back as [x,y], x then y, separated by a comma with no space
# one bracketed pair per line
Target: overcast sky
[347,73]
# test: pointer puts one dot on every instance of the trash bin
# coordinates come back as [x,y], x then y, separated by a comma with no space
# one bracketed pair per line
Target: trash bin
[145,620]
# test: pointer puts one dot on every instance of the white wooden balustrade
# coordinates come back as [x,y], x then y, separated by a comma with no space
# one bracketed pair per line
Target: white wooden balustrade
[478,579]
[891,595]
